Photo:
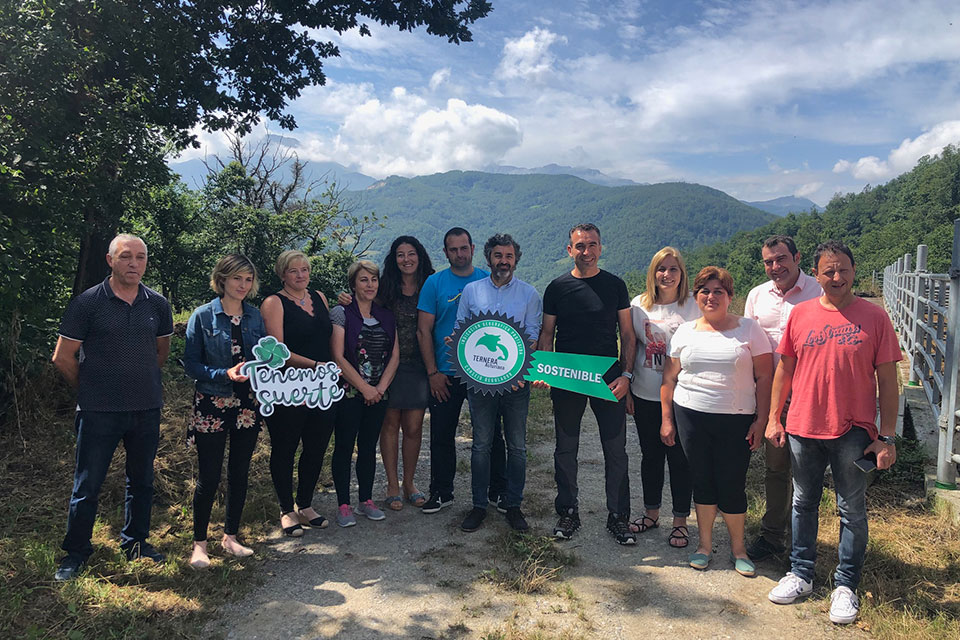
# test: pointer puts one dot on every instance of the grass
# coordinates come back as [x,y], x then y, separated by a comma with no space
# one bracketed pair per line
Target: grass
[910,588]
[534,562]
[113,598]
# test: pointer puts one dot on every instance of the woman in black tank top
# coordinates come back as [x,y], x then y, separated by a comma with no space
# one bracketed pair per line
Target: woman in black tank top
[299,317]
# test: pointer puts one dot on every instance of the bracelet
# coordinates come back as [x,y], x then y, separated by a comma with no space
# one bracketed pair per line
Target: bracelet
[430,375]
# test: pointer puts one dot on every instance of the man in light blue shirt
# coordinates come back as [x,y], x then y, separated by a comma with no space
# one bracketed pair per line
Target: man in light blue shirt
[502,293]
[437,307]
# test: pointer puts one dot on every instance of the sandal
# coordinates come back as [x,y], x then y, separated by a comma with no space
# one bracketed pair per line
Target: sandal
[294,530]
[417,499]
[681,534]
[394,503]
[644,523]
[318,522]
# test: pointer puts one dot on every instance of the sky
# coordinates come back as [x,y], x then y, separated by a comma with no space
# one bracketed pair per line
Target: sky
[758,99]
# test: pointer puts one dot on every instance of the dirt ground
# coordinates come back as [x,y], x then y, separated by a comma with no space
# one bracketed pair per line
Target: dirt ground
[419,576]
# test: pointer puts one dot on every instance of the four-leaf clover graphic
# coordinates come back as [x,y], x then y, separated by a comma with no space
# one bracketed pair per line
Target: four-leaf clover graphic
[271,352]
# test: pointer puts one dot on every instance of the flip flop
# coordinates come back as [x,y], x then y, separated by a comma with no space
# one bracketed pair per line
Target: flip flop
[394,503]
[416,499]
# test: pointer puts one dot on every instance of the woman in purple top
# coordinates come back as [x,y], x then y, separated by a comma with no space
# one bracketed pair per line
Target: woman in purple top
[364,345]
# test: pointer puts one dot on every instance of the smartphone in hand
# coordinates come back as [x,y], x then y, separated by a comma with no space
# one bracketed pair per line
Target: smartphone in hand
[867,463]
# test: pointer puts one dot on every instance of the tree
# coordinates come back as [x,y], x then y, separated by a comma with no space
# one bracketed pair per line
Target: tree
[92,95]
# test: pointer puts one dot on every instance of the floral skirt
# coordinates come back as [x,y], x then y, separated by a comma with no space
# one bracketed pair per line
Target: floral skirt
[212,414]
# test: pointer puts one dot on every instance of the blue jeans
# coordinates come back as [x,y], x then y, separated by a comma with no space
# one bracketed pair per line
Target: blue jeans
[809,458]
[484,414]
[98,434]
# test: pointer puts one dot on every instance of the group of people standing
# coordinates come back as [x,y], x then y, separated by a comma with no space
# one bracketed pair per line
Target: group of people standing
[698,380]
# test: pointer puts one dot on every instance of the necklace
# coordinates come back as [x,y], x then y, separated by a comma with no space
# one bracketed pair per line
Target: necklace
[301,301]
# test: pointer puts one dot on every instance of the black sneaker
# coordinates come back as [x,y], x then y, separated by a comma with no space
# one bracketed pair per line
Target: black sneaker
[515,518]
[567,525]
[618,526]
[144,549]
[70,568]
[435,503]
[474,519]
[761,549]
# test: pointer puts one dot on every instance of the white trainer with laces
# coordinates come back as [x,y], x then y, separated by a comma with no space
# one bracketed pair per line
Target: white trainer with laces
[844,605]
[790,587]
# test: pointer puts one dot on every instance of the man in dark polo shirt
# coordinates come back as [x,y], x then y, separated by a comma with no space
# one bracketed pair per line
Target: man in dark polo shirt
[114,338]
[584,308]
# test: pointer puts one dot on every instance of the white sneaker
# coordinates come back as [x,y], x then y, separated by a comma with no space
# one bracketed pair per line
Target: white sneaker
[844,606]
[790,587]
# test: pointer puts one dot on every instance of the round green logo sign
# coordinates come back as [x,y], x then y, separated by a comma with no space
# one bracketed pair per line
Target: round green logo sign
[489,353]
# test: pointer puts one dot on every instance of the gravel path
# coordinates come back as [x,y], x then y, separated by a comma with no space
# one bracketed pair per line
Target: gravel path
[418,576]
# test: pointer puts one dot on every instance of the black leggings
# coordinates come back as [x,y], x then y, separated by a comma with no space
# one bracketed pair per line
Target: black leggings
[648,418]
[210,449]
[718,452]
[289,426]
[357,423]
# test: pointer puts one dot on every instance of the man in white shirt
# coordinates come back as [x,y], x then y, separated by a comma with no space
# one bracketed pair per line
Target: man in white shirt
[770,305]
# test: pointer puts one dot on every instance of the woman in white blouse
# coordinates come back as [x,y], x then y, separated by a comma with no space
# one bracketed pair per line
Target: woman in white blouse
[656,314]
[715,385]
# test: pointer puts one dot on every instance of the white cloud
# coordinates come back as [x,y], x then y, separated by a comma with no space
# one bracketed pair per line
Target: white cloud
[809,189]
[904,157]
[528,57]
[439,77]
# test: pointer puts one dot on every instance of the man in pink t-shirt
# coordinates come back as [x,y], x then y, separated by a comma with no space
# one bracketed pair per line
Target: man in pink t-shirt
[770,304]
[835,352]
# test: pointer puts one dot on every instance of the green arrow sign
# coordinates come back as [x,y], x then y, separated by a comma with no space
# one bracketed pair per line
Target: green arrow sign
[573,372]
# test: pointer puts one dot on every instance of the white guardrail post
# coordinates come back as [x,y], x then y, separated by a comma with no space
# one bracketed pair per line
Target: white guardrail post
[947,460]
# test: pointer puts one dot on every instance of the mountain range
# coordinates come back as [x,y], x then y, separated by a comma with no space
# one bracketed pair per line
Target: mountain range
[538,211]
[783,206]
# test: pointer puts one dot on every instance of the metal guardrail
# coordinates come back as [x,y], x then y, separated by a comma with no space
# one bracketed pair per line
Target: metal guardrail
[925,309]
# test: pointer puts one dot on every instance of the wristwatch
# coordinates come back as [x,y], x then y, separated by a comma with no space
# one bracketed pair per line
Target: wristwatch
[887,439]
[627,375]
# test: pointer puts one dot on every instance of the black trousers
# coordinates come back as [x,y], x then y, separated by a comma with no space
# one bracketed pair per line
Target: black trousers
[210,453]
[357,424]
[568,408]
[719,455]
[444,418]
[290,426]
[648,418]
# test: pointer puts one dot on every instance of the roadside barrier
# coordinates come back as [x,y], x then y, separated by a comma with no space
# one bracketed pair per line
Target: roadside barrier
[925,309]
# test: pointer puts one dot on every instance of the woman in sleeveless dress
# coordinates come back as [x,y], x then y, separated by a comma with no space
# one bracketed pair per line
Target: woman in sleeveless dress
[300,318]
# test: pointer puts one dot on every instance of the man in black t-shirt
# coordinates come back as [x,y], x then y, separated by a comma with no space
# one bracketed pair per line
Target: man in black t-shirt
[584,308]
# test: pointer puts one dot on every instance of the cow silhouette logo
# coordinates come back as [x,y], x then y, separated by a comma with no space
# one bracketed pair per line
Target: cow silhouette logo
[489,353]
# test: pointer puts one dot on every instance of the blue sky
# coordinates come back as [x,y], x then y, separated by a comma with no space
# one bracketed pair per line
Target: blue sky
[759,99]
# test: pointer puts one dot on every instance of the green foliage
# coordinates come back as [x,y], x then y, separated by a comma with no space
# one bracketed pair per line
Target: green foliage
[879,224]
[538,210]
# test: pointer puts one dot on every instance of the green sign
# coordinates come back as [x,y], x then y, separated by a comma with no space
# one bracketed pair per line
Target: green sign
[489,353]
[573,372]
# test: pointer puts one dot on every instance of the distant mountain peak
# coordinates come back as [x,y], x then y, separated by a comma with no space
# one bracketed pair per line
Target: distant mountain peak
[784,205]
[584,173]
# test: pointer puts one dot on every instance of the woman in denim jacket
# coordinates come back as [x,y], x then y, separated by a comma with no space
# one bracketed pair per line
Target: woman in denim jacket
[220,338]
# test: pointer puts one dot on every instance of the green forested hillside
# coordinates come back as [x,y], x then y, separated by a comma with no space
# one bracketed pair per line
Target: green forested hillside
[538,211]
[879,224]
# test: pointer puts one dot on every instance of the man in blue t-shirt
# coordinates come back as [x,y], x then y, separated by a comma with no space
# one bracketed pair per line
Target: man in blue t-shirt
[439,299]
